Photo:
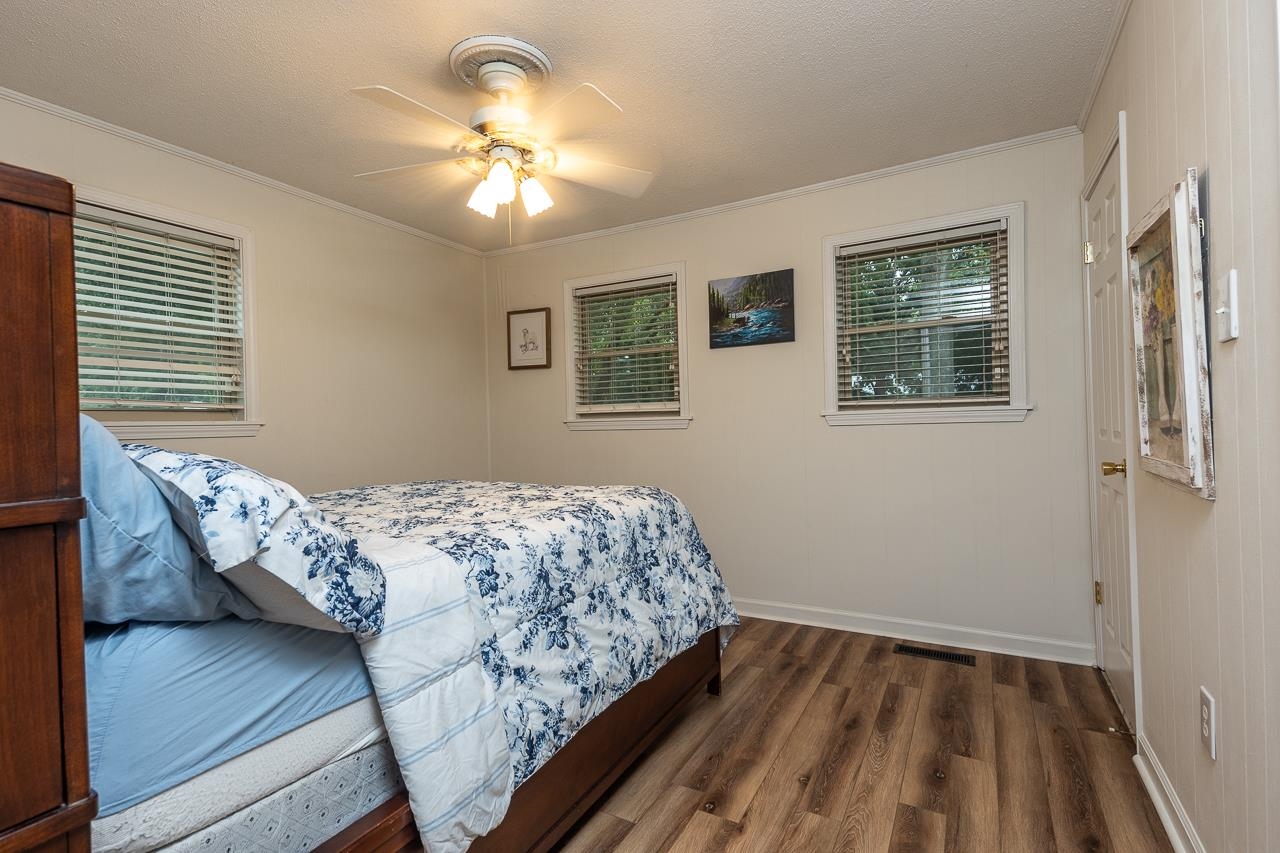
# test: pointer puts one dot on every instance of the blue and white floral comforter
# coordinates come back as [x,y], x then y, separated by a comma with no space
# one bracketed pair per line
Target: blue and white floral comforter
[582,592]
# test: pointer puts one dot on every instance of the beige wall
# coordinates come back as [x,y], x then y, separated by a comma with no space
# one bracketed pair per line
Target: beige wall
[1198,80]
[370,340]
[980,526]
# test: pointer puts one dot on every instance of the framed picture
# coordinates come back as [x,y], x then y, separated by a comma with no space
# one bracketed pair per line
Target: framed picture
[529,339]
[1175,428]
[752,309]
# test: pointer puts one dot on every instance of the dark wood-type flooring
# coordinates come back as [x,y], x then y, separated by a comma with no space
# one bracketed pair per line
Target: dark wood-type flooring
[825,740]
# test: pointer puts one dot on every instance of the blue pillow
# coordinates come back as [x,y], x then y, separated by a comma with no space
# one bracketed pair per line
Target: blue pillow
[269,541]
[135,562]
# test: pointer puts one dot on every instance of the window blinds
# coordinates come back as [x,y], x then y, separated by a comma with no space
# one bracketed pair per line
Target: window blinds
[924,320]
[627,354]
[159,313]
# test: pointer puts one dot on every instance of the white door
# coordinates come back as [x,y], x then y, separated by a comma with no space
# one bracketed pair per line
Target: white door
[1109,364]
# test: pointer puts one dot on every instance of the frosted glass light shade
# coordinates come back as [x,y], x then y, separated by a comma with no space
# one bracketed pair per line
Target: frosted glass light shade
[535,196]
[501,181]
[482,200]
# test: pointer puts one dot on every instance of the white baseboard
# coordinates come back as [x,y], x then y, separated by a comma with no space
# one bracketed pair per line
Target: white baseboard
[927,632]
[1177,823]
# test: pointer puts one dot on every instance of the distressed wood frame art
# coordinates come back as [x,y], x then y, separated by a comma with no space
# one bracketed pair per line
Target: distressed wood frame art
[529,339]
[1166,277]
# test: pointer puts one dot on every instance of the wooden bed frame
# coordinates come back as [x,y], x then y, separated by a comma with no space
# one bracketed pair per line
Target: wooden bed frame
[45,800]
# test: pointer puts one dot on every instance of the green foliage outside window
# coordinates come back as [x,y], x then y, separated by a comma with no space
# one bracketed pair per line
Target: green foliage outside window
[924,321]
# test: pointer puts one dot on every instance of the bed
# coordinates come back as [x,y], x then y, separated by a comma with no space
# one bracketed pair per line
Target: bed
[314,690]
[503,620]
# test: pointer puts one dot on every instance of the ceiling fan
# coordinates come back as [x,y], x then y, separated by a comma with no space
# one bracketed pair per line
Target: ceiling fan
[509,150]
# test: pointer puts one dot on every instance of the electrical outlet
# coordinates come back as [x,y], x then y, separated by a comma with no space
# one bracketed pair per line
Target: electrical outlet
[1209,723]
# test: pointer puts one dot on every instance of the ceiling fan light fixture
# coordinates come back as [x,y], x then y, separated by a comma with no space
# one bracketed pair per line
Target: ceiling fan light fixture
[535,196]
[482,200]
[501,181]
[502,144]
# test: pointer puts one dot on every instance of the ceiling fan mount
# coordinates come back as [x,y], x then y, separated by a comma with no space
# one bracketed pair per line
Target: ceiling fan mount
[502,66]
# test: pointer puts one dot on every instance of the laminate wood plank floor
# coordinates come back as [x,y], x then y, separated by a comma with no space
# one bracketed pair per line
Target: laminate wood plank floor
[826,741]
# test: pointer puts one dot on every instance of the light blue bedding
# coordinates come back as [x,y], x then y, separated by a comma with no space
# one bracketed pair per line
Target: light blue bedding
[169,700]
[135,561]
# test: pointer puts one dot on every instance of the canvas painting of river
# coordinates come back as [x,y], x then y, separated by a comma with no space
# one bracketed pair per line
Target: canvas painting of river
[752,309]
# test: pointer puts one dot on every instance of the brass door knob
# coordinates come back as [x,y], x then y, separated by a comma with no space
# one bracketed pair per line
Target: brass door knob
[1109,468]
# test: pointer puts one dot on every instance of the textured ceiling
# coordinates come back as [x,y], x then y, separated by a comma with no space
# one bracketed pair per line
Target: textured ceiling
[725,100]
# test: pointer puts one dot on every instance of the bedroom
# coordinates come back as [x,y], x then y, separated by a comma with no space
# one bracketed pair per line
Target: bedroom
[372,347]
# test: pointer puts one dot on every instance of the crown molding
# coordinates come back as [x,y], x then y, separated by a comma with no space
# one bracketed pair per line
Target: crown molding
[169,148]
[1100,69]
[942,159]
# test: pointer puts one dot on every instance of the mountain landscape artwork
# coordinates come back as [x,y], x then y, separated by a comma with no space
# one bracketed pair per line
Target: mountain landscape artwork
[752,309]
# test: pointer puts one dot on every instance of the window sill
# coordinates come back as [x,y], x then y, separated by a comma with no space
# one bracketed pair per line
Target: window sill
[136,430]
[941,415]
[596,424]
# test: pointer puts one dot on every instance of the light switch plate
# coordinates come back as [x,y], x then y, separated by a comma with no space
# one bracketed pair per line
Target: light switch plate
[1226,309]
[1209,723]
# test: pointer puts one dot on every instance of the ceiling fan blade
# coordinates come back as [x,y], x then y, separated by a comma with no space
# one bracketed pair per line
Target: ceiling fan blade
[575,114]
[449,133]
[412,167]
[611,177]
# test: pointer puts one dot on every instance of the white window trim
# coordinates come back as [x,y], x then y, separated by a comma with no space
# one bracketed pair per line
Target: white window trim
[576,422]
[250,421]
[1019,403]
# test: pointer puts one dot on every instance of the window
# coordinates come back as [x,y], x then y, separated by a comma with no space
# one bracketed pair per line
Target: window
[161,320]
[924,321]
[625,348]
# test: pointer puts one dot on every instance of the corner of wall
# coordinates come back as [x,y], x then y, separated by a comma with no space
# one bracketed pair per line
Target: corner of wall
[488,375]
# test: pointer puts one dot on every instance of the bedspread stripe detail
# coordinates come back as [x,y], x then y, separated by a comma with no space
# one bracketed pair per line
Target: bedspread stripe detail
[426,614]
[465,802]
[454,731]
[394,697]
[427,676]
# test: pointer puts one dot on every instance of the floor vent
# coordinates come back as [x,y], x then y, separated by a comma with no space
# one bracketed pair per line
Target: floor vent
[933,654]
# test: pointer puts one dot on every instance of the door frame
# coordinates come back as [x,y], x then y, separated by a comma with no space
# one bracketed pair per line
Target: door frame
[1117,145]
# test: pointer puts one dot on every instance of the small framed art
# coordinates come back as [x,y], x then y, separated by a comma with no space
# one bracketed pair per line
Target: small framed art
[529,339]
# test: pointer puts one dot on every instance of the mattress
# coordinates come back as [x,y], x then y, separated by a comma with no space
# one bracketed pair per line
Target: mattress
[169,701]
[299,817]
[254,779]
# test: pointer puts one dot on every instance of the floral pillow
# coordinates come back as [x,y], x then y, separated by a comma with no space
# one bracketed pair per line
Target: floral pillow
[325,565]
[226,509]
[264,534]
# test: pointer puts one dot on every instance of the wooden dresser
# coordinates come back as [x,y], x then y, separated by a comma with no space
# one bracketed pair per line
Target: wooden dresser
[45,800]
